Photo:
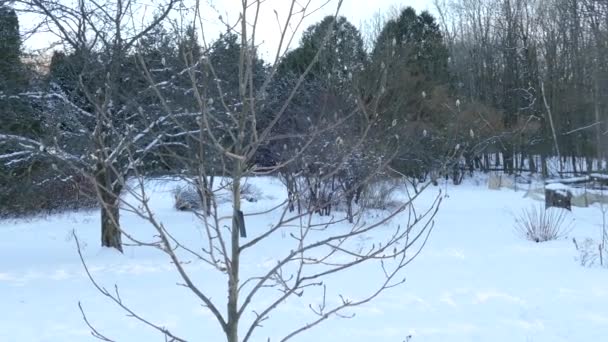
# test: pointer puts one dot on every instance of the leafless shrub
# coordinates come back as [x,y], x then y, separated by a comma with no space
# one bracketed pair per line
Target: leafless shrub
[590,252]
[250,192]
[593,252]
[41,194]
[540,225]
[317,251]
[380,195]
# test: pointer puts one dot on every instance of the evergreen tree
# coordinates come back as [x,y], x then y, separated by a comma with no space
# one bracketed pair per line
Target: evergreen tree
[16,113]
[223,56]
[341,53]
[12,76]
[64,72]
[189,51]
[416,43]
[326,98]
[413,59]
[19,115]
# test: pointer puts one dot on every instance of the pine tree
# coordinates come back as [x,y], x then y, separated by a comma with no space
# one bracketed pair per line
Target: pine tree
[16,113]
[412,58]
[341,53]
[415,42]
[19,116]
[12,77]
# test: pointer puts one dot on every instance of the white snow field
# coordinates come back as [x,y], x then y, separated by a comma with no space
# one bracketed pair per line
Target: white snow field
[476,280]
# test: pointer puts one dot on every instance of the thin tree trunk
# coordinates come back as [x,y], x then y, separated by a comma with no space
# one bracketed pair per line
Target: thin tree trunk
[543,162]
[486,162]
[232,328]
[110,210]
[532,163]
[508,159]
[542,87]
[110,230]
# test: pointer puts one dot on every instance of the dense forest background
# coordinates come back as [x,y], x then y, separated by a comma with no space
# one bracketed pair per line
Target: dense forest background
[512,86]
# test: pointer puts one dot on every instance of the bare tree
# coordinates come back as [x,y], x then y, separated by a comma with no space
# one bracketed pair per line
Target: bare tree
[234,130]
[502,51]
[112,127]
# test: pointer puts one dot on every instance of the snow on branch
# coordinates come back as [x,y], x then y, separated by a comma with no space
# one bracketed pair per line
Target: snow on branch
[49,95]
[38,147]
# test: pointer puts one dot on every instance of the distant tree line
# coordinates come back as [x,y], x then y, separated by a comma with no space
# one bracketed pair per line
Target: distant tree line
[488,85]
[539,68]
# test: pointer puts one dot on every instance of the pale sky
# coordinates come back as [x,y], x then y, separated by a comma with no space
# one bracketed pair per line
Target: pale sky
[356,11]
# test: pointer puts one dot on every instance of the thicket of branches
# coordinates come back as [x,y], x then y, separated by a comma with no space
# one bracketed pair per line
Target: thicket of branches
[494,84]
[540,67]
[489,85]
[126,102]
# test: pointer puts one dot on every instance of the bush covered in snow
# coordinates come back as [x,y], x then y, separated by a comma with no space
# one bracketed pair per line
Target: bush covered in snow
[187,198]
[250,192]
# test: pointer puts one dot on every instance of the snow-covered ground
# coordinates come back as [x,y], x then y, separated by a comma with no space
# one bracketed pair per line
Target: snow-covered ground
[476,280]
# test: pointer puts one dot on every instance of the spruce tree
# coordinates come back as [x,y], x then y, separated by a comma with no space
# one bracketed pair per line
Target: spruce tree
[341,52]
[12,78]
[411,55]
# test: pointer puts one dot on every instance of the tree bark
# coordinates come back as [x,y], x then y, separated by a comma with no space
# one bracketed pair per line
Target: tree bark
[543,162]
[508,159]
[532,163]
[232,327]
[109,195]
[110,229]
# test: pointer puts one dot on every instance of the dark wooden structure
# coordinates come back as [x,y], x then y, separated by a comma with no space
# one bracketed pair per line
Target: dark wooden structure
[559,198]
